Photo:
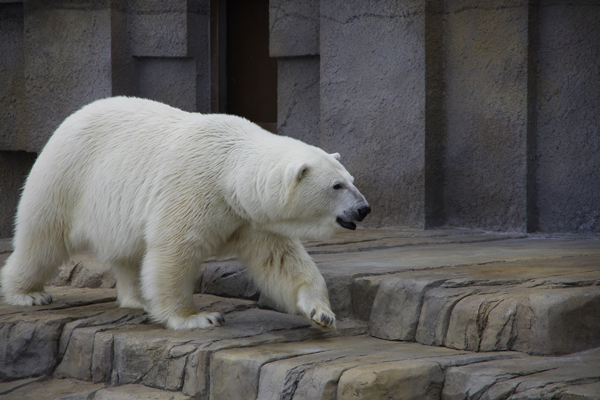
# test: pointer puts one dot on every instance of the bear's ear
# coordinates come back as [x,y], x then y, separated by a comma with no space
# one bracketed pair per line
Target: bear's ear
[294,172]
[336,156]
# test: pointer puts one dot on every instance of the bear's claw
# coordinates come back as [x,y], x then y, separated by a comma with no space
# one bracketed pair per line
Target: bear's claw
[30,299]
[323,320]
[201,320]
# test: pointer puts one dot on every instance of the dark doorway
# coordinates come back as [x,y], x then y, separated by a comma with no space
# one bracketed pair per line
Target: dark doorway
[247,82]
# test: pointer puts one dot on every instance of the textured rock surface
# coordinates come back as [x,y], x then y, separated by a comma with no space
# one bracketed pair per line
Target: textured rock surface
[574,376]
[534,306]
[469,298]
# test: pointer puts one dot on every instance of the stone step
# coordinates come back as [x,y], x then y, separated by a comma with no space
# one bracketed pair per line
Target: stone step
[84,335]
[437,314]
[271,355]
[463,289]
[483,292]
[47,388]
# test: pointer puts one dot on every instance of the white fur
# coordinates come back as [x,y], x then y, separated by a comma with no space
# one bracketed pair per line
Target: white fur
[155,190]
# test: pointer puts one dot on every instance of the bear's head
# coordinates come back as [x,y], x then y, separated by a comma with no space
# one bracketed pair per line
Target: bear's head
[317,196]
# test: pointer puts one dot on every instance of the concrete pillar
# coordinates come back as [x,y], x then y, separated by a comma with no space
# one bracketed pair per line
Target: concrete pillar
[486,113]
[566,152]
[373,102]
[294,41]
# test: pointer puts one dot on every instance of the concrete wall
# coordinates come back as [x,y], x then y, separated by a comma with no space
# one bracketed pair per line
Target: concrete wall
[58,56]
[459,112]
[485,113]
[372,61]
[567,118]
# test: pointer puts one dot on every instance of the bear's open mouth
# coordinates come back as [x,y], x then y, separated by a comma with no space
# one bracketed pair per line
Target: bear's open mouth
[346,224]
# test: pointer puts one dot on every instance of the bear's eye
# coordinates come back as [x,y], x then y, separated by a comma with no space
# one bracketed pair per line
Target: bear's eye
[338,186]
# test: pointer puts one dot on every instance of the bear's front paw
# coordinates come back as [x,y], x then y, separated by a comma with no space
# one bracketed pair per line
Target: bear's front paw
[201,320]
[322,317]
[30,299]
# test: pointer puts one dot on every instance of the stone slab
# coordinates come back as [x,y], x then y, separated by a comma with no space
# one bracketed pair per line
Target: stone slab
[539,306]
[298,98]
[576,376]
[375,104]
[474,291]
[316,373]
[50,389]
[341,270]
[59,77]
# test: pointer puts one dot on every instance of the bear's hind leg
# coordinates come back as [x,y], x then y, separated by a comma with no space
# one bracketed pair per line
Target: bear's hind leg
[129,293]
[168,285]
[27,270]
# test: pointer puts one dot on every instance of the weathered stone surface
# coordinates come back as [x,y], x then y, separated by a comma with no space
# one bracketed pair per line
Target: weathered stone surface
[293,28]
[316,375]
[497,306]
[567,377]
[476,292]
[28,345]
[50,389]
[405,380]
[339,269]
[245,364]
[82,355]
[84,271]
[137,392]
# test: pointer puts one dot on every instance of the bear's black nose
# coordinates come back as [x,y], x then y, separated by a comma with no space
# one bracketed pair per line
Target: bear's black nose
[363,211]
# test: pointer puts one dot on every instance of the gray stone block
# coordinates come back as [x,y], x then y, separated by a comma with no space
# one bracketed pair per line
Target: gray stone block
[28,345]
[373,102]
[486,114]
[567,117]
[298,99]
[227,279]
[137,392]
[568,377]
[493,307]
[294,28]
[55,389]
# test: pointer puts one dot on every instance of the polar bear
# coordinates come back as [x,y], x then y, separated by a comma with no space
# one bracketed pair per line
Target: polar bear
[155,190]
